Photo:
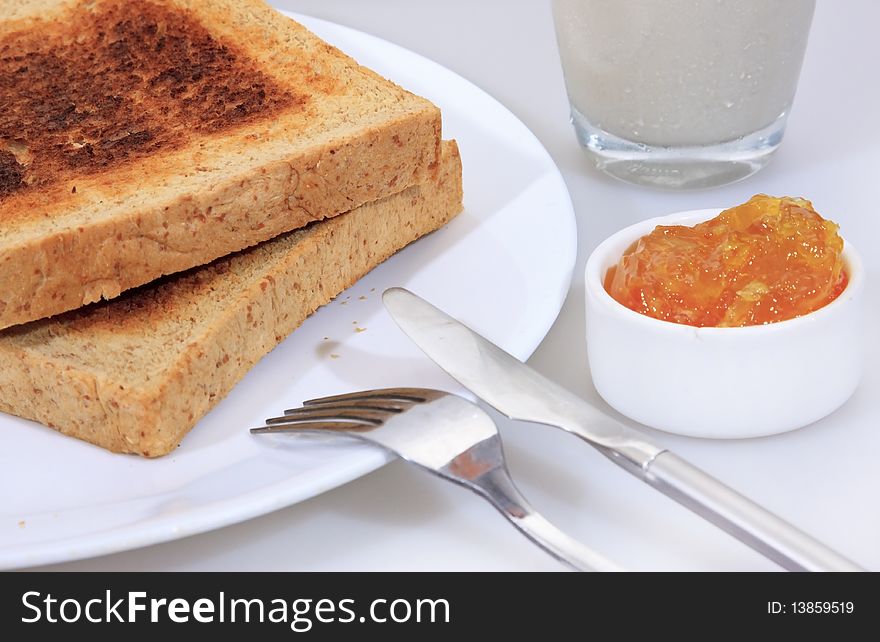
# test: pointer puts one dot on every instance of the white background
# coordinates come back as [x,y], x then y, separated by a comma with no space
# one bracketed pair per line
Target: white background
[824,478]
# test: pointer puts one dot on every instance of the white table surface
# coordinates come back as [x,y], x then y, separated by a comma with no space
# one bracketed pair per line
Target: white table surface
[824,478]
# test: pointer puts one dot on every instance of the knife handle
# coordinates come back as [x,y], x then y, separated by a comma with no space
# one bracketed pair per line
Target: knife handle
[757,527]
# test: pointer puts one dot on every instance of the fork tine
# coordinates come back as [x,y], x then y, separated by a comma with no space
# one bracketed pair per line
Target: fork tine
[384,405]
[363,415]
[413,395]
[313,426]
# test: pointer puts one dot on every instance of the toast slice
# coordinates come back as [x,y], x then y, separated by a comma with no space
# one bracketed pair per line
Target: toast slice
[135,374]
[138,139]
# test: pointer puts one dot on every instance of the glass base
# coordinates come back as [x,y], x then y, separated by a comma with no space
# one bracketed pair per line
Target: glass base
[677,168]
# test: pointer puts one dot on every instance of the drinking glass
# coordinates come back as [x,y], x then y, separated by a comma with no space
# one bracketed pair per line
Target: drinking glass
[681,94]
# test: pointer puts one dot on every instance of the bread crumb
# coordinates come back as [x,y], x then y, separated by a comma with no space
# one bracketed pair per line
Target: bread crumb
[362,298]
[343,302]
[372,289]
[334,355]
[326,338]
[21,524]
[360,329]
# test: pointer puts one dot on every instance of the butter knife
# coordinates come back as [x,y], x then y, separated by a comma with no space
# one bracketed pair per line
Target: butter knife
[521,393]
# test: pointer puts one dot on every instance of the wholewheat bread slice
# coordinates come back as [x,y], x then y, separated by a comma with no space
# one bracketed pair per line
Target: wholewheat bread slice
[138,139]
[135,374]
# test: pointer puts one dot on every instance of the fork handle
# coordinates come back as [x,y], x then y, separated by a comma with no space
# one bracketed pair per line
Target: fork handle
[498,488]
[768,534]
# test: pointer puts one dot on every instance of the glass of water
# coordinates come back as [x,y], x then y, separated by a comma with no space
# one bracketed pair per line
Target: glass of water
[681,94]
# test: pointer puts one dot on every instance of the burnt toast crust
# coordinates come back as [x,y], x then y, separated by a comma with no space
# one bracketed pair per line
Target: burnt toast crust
[110,86]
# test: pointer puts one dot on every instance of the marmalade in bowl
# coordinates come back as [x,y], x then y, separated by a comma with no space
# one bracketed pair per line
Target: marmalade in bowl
[767,260]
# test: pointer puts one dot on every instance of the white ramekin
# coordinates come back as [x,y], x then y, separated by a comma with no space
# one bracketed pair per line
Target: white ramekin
[721,382]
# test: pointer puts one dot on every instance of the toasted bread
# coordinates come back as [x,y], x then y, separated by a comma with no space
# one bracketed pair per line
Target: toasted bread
[138,139]
[135,374]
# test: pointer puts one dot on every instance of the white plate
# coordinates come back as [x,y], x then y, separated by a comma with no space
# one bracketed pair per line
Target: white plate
[503,266]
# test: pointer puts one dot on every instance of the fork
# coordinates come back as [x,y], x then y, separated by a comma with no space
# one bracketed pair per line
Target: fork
[443,434]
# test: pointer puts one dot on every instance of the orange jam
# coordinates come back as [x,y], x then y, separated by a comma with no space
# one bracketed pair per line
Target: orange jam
[767,260]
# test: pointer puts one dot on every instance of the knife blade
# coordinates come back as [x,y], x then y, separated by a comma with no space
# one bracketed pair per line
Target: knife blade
[505,383]
[521,393]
